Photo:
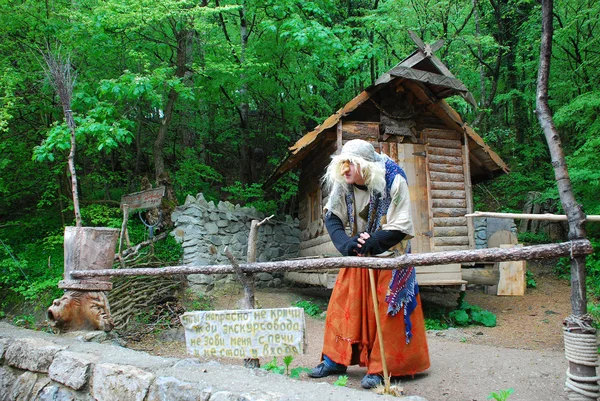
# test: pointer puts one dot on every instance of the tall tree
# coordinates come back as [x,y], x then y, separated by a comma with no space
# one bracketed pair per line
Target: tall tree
[578,331]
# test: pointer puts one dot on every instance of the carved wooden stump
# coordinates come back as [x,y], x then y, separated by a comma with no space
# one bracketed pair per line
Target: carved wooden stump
[80,310]
[84,305]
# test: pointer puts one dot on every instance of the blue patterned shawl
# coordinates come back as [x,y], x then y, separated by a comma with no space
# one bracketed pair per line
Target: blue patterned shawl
[403,288]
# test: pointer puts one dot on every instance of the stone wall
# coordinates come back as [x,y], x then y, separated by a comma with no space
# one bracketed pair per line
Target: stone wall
[89,366]
[205,229]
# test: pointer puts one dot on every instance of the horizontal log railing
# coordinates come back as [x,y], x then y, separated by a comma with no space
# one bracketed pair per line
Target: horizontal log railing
[525,216]
[534,252]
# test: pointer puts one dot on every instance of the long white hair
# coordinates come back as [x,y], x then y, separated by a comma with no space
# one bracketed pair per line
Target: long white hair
[356,152]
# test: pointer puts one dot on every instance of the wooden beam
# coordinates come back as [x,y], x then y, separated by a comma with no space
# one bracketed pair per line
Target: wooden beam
[433,104]
[534,252]
[481,276]
[445,81]
[468,189]
[542,216]
[415,38]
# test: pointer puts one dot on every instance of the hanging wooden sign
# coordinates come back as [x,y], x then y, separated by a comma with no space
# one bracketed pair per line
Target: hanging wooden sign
[143,200]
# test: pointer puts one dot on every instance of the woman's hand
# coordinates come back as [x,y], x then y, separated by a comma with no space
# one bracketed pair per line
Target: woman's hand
[362,240]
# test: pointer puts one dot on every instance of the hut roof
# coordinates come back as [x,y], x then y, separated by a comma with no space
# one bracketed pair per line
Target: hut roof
[430,82]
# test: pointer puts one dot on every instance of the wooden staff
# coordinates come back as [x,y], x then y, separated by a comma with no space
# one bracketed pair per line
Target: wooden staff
[386,377]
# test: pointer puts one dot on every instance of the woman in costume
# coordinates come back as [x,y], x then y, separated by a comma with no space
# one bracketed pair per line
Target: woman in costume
[369,193]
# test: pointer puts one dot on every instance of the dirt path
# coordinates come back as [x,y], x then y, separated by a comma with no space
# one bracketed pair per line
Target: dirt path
[524,351]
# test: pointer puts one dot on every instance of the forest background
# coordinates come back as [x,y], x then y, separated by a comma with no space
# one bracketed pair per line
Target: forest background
[208,96]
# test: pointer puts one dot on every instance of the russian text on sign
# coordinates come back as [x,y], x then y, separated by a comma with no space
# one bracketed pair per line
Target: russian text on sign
[245,333]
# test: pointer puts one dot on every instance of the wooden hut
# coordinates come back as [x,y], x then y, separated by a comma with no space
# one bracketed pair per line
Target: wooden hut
[405,116]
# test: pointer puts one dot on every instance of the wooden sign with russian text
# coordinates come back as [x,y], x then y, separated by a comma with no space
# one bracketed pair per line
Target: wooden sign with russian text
[249,333]
[144,200]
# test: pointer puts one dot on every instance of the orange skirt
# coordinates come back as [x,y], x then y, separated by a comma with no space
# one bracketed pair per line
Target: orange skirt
[351,330]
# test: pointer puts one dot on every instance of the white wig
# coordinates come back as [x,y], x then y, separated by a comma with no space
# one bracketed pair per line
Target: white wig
[362,154]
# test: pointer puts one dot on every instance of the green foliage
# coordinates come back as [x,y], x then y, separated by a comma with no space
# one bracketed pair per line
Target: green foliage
[501,395]
[311,308]
[26,321]
[30,270]
[197,302]
[108,135]
[579,119]
[533,238]
[592,265]
[286,187]
[530,279]
[436,316]
[460,317]
[342,381]
[593,308]
[273,367]
[467,314]
[563,268]
[31,275]
[251,196]
[135,100]
[435,324]
[100,215]
[287,360]
[294,373]
[169,251]
[195,177]
[297,371]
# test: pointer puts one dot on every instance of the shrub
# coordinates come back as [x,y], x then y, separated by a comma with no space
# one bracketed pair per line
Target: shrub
[467,314]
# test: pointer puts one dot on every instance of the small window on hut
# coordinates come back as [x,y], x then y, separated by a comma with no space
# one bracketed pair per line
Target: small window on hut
[314,199]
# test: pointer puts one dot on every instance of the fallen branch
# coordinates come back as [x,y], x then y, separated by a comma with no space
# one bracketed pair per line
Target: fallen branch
[547,251]
[135,249]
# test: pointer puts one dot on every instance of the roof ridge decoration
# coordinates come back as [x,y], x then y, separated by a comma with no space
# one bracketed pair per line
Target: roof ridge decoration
[424,56]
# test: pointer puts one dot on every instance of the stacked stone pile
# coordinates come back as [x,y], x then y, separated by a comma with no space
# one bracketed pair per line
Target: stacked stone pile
[205,229]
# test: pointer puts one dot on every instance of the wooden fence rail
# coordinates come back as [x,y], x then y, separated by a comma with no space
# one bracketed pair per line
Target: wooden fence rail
[525,216]
[546,251]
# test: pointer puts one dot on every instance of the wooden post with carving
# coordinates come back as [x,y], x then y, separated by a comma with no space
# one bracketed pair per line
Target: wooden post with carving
[84,305]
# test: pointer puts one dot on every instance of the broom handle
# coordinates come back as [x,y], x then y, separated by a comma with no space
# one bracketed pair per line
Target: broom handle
[386,377]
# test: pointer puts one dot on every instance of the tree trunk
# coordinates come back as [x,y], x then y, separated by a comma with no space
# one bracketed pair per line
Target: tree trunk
[159,143]
[574,212]
[71,124]
[246,170]
[580,336]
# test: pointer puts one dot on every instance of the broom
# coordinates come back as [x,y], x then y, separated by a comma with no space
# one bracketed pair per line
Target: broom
[388,389]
